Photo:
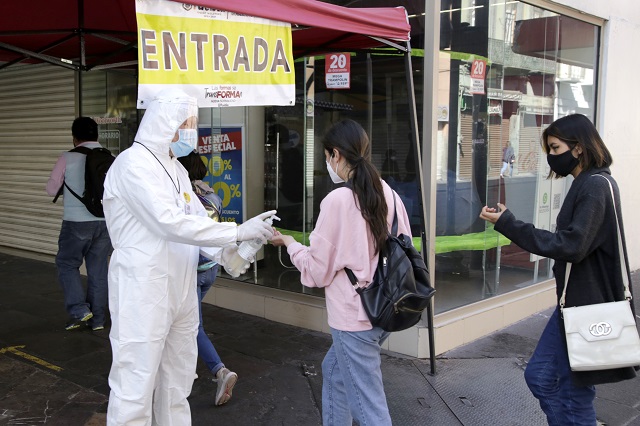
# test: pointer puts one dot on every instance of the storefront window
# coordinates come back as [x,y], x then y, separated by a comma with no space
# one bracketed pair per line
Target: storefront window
[295,174]
[507,70]
[109,97]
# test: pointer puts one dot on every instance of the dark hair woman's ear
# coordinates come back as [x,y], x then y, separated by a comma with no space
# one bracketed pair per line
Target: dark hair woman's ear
[579,149]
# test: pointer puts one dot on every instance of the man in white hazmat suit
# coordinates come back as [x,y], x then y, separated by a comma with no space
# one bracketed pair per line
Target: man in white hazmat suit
[157,225]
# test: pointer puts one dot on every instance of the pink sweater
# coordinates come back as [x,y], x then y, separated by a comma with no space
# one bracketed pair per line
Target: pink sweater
[341,238]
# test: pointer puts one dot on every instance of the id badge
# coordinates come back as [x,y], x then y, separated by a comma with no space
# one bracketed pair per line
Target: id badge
[185,201]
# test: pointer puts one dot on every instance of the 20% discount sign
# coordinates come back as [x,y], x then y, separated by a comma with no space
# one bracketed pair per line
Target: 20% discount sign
[217,166]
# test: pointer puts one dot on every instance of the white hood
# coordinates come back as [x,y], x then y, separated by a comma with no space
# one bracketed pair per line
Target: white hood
[166,112]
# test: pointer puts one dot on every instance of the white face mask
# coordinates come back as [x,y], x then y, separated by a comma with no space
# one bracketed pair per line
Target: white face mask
[334,176]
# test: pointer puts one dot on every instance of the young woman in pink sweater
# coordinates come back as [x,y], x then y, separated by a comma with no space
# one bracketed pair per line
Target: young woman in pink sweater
[352,227]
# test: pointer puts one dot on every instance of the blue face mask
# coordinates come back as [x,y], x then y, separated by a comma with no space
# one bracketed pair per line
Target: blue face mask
[187,142]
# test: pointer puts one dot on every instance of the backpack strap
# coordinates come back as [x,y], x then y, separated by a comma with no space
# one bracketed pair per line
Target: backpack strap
[394,232]
[394,224]
[352,278]
[71,191]
[82,150]
[60,191]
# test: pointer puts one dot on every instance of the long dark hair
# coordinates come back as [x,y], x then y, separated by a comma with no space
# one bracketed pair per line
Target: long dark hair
[352,142]
[194,165]
[577,129]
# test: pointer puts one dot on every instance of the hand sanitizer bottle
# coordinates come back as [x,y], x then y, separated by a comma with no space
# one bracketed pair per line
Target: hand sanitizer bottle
[246,252]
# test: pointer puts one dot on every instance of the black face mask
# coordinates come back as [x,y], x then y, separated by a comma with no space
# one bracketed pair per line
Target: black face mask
[562,164]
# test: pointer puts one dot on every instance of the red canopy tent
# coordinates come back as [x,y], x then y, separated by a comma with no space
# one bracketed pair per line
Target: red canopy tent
[87,35]
[77,34]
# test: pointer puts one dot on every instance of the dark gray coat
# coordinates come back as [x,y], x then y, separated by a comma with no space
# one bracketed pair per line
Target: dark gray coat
[586,236]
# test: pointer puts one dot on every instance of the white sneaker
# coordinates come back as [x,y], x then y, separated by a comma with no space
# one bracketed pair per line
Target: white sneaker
[226,381]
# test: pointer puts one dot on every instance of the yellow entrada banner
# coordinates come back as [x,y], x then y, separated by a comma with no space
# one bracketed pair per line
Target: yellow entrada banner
[221,58]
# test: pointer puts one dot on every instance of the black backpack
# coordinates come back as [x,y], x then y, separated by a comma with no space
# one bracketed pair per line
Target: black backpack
[95,171]
[400,289]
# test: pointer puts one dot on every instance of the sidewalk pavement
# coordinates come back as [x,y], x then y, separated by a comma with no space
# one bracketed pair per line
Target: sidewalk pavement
[57,377]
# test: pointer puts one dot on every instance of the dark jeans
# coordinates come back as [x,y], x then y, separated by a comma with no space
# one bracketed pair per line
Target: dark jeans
[548,376]
[89,241]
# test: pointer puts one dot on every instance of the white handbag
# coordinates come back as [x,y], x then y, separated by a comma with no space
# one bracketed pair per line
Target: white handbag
[604,335]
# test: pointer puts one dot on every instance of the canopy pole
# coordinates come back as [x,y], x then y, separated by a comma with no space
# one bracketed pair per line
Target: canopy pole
[415,141]
[83,58]
[370,96]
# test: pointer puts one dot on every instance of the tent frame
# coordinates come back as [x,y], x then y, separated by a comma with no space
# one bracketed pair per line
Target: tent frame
[79,32]
[102,63]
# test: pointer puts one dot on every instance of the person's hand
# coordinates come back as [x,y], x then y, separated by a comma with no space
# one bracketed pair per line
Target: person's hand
[228,253]
[280,239]
[491,214]
[256,228]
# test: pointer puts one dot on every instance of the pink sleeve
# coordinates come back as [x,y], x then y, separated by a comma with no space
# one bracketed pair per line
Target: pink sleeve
[339,239]
[316,262]
[57,176]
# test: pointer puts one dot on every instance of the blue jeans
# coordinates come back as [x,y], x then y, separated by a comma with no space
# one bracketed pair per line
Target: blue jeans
[548,376]
[89,241]
[504,168]
[352,380]
[206,351]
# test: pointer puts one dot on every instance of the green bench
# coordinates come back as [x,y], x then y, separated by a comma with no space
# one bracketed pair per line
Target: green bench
[486,240]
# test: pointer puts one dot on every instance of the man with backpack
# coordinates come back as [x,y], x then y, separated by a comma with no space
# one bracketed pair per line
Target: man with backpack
[83,236]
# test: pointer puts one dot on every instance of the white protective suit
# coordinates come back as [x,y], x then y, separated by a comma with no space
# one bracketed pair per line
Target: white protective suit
[156,224]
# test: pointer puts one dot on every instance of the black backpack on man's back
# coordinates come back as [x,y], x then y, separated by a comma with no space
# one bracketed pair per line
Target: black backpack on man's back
[400,289]
[95,171]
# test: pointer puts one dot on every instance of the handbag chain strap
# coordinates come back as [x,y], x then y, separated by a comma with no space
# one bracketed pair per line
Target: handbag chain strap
[623,265]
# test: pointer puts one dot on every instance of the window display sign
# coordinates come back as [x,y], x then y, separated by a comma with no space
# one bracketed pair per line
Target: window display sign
[548,200]
[220,58]
[337,71]
[478,71]
[222,153]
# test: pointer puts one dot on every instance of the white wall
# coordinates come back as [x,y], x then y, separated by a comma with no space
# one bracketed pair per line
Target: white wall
[619,111]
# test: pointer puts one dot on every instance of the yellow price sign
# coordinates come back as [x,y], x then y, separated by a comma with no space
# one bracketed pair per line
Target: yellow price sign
[228,191]
[217,165]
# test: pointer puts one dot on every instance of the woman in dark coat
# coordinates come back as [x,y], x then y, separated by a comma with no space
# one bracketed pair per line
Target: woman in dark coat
[585,236]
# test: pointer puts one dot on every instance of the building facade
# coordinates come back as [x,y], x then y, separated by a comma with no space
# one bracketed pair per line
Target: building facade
[488,74]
